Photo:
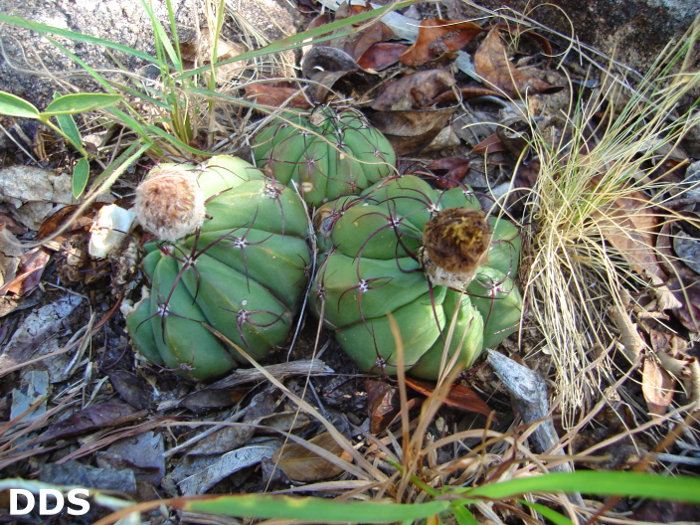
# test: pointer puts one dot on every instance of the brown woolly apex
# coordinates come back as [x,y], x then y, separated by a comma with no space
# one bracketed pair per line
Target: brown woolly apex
[456,243]
[170,204]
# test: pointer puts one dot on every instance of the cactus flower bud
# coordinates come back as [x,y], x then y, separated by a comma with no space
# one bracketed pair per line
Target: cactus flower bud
[170,204]
[456,244]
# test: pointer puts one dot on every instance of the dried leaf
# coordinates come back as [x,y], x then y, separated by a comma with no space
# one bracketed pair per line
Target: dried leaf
[31,268]
[300,464]
[382,405]
[275,95]
[93,418]
[449,170]
[414,91]
[629,224]
[437,37]
[684,283]
[449,97]
[410,132]
[490,144]
[208,398]
[380,56]
[231,462]
[491,62]
[459,396]
[131,388]
[368,37]
[10,253]
[657,387]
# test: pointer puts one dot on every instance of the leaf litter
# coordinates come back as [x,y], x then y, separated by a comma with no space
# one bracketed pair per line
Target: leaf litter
[173,437]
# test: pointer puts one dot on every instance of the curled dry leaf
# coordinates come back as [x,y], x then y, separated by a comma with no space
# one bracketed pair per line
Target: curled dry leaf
[381,55]
[93,418]
[377,32]
[437,37]
[491,62]
[382,405]
[490,144]
[459,396]
[275,95]
[683,282]
[449,170]
[300,464]
[657,383]
[629,224]
[414,91]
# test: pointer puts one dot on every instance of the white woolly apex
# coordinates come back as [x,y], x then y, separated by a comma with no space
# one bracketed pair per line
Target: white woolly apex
[169,203]
[109,229]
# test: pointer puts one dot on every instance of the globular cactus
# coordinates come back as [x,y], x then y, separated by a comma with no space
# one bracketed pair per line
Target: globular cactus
[232,255]
[328,154]
[428,259]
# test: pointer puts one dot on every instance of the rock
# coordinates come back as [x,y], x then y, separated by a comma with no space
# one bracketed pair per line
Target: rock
[633,31]
[34,193]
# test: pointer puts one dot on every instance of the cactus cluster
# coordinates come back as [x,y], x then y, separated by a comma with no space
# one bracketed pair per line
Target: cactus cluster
[327,154]
[233,255]
[429,259]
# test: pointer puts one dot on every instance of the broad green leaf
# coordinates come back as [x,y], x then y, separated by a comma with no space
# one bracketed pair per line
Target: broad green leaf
[68,126]
[463,516]
[310,508]
[80,102]
[551,514]
[81,174]
[15,106]
[604,483]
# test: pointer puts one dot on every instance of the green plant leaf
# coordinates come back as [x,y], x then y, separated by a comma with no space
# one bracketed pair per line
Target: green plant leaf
[463,516]
[551,514]
[80,102]
[81,174]
[604,483]
[309,509]
[69,127]
[15,106]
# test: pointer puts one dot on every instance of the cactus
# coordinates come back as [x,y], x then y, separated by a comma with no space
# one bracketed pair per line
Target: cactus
[233,254]
[429,259]
[328,155]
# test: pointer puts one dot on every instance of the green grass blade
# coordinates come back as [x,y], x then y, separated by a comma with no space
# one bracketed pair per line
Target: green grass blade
[312,509]
[161,36]
[551,514]
[69,127]
[80,103]
[15,106]
[463,516]
[604,483]
[81,174]
[72,35]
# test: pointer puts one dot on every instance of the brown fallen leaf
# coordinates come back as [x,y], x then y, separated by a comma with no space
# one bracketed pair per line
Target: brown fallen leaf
[382,405]
[300,464]
[629,224]
[449,171]
[459,396]
[381,55]
[684,283]
[491,62]
[657,383]
[358,46]
[413,91]
[411,131]
[437,37]
[467,92]
[93,418]
[490,144]
[275,95]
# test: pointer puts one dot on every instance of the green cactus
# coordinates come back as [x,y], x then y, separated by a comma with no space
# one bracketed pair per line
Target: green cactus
[328,154]
[404,249]
[241,267]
